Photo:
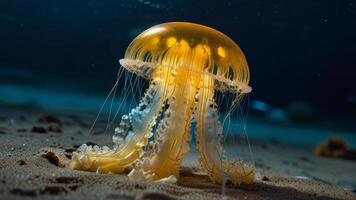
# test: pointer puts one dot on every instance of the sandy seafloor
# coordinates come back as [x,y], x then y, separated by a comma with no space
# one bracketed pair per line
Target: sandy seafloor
[283,171]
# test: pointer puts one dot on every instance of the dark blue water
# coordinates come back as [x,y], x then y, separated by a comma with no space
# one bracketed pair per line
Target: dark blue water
[301,53]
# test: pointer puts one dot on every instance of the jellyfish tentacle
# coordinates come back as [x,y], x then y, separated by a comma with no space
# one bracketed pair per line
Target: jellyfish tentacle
[128,140]
[209,136]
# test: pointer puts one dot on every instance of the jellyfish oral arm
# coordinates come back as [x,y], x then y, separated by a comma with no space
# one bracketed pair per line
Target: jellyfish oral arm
[209,141]
[173,132]
[128,140]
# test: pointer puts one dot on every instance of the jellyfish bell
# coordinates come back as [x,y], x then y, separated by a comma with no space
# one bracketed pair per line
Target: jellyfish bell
[193,47]
[186,64]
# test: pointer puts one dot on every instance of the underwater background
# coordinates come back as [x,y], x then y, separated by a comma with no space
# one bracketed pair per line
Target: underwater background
[63,55]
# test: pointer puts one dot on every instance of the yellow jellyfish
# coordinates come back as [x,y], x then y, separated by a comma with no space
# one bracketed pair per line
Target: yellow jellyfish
[186,65]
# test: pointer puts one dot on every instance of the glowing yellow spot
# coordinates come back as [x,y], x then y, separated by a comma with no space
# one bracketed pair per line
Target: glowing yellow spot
[171,41]
[221,52]
[184,43]
[155,41]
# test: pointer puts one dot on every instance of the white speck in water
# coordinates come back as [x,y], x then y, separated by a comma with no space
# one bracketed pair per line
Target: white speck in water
[12,123]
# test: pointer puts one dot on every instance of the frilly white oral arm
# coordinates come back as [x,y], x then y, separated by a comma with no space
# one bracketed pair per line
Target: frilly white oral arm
[129,138]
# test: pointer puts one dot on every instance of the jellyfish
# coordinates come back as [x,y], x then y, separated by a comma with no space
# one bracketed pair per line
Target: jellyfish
[186,65]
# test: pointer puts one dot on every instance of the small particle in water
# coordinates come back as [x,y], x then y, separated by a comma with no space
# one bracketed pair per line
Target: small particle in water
[260,106]
[12,123]
[325,20]
[151,4]
[278,114]
[351,99]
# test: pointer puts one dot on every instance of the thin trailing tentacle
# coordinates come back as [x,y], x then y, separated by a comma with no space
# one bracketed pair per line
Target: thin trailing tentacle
[128,140]
[210,137]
